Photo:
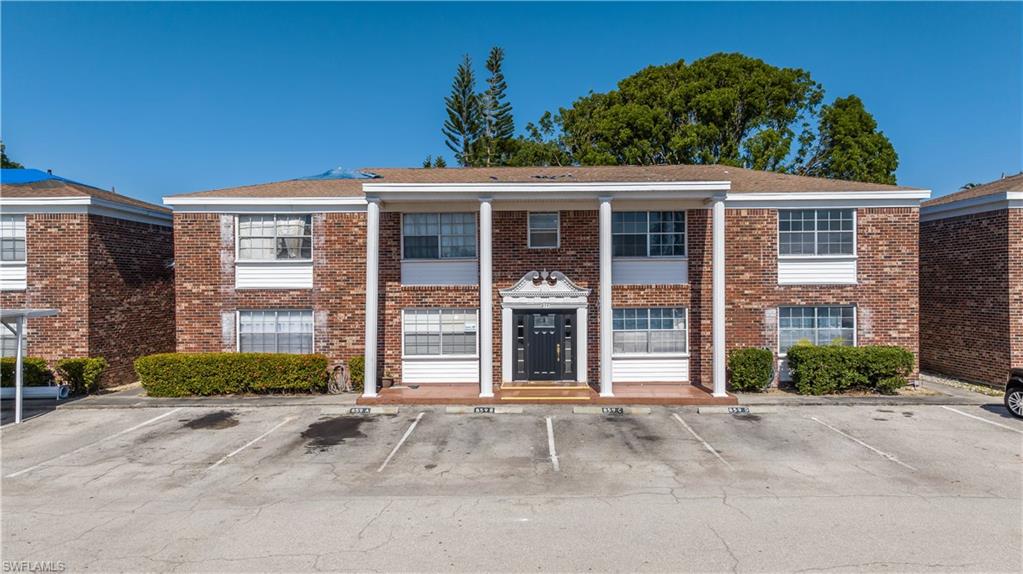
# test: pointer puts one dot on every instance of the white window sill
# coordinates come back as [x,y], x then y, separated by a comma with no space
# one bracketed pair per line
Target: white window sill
[651,258]
[817,257]
[274,261]
[427,358]
[650,356]
[437,260]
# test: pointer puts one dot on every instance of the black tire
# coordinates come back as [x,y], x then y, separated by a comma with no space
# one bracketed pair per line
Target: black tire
[1014,401]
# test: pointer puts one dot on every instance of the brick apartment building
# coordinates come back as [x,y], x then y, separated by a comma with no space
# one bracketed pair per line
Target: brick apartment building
[102,259]
[971,268]
[578,283]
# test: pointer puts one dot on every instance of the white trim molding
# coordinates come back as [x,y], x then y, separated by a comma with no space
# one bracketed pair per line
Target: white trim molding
[204,204]
[972,206]
[84,205]
[826,199]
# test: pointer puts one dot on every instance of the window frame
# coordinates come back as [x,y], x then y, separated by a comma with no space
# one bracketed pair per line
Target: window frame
[441,356]
[557,229]
[855,235]
[238,328]
[648,233]
[24,238]
[683,354]
[855,317]
[476,236]
[238,238]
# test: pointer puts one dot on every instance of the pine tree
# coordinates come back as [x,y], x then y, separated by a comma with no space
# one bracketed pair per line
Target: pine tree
[439,162]
[462,128]
[498,123]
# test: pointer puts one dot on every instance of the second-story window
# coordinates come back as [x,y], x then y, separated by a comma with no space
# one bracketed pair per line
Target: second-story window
[543,230]
[816,232]
[438,235]
[12,238]
[275,237]
[648,233]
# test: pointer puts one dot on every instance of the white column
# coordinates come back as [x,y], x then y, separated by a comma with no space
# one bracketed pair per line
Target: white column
[372,296]
[718,295]
[19,331]
[486,301]
[605,298]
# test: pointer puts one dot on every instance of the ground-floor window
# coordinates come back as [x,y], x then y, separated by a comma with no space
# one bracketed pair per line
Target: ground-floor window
[823,325]
[9,343]
[439,332]
[650,331]
[275,331]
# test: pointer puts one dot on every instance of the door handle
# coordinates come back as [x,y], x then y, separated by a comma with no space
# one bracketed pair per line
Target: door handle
[557,351]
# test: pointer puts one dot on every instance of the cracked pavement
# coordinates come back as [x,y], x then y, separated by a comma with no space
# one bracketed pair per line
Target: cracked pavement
[473,493]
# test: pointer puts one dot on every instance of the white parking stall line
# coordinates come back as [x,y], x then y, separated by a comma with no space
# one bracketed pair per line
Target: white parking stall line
[983,420]
[111,437]
[706,444]
[880,452]
[250,443]
[550,446]
[404,438]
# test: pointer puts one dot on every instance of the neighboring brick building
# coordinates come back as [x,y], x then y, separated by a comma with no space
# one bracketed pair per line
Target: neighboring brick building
[297,266]
[971,291]
[102,259]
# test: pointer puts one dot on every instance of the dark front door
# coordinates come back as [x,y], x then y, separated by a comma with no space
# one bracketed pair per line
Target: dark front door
[545,345]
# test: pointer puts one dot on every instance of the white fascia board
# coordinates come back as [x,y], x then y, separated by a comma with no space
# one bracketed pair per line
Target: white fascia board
[973,206]
[544,190]
[264,204]
[825,199]
[80,204]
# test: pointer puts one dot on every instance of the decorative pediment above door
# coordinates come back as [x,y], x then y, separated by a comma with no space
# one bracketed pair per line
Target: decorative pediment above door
[544,290]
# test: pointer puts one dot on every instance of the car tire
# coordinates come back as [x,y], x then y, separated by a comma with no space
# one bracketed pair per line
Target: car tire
[1014,401]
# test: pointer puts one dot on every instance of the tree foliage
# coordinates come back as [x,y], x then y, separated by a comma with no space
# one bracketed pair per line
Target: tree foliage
[498,123]
[463,126]
[848,146]
[6,162]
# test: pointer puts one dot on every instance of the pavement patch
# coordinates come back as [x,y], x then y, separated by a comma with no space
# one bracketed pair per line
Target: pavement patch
[216,421]
[328,432]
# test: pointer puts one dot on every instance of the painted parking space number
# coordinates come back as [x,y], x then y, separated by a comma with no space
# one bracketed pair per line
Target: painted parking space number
[738,410]
[613,411]
[483,410]
[359,411]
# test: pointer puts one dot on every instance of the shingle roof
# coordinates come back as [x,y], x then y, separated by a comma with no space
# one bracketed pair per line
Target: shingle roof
[743,180]
[1006,184]
[48,188]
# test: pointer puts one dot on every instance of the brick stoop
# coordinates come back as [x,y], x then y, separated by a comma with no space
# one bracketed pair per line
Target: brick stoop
[625,394]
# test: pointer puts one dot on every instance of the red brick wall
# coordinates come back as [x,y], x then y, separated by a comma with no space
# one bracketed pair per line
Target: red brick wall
[886,296]
[964,296]
[207,299]
[1016,285]
[58,277]
[131,293]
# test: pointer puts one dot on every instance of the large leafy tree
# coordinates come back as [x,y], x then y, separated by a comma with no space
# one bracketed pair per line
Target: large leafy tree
[464,122]
[5,161]
[727,109]
[849,146]
[498,123]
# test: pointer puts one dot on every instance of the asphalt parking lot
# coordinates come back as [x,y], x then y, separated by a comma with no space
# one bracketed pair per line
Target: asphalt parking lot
[864,488]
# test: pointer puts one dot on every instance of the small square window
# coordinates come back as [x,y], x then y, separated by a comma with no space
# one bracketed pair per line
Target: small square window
[543,230]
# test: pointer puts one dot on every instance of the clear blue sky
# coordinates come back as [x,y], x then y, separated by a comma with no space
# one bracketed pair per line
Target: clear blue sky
[163,98]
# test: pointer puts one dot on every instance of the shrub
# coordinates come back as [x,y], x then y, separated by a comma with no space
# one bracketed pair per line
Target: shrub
[751,369]
[204,374]
[82,375]
[36,372]
[357,372]
[836,369]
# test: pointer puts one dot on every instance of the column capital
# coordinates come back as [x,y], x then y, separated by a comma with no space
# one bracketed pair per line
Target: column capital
[605,198]
[486,199]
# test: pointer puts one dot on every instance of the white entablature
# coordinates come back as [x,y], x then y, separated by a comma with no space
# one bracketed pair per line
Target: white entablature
[544,290]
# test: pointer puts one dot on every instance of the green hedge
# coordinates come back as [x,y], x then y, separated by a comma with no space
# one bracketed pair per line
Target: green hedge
[357,372]
[83,375]
[183,374]
[36,372]
[751,369]
[836,369]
